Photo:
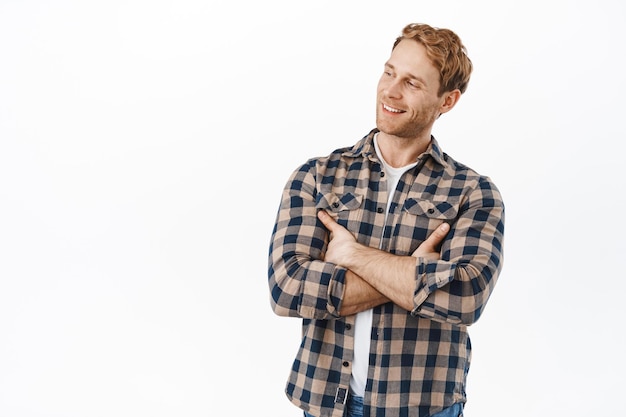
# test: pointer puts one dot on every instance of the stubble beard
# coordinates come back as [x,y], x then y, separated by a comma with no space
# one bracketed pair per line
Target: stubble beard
[409,129]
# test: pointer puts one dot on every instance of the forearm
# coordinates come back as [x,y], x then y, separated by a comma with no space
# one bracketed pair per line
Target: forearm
[359,295]
[390,275]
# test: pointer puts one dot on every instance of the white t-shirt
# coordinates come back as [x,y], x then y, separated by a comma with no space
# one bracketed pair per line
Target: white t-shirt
[363,324]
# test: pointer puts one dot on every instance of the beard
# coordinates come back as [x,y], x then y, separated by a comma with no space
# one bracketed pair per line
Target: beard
[402,126]
[416,123]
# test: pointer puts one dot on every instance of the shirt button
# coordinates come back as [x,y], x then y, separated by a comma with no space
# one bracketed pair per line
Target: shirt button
[382,174]
[335,204]
[348,326]
[380,209]
[431,211]
[346,364]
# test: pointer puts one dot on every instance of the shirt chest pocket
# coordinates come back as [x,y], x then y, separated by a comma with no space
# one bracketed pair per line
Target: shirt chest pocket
[420,218]
[342,207]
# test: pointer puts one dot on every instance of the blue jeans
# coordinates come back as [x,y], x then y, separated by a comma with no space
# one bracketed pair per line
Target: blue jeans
[354,408]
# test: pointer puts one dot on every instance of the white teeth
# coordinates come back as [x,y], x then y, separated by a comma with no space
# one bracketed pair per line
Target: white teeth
[391,109]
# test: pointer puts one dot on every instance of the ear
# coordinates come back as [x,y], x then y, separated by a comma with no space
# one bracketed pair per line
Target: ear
[449,100]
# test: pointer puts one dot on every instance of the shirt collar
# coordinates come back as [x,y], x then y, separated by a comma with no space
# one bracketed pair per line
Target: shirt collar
[365,148]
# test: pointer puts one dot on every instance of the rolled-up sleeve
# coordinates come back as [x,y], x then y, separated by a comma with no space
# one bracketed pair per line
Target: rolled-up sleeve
[301,283]
[456,288]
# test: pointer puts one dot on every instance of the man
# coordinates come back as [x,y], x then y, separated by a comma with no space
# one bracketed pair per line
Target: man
[388,250]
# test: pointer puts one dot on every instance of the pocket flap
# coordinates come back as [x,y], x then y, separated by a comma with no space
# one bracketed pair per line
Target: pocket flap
[432,209]
[337,203]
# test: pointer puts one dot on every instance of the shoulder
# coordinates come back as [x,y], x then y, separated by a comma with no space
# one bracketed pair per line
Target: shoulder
[461,175]
[343,155]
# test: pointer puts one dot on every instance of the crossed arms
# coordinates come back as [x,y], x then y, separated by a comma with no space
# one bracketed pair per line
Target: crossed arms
[318,270]
[366,285]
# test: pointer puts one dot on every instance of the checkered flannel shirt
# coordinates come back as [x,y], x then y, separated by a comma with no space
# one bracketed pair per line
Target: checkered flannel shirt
[419,359]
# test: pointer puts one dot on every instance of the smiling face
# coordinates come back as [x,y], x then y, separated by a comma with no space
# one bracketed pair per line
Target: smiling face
[407,103]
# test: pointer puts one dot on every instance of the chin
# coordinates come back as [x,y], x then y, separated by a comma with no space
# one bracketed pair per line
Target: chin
[388,129]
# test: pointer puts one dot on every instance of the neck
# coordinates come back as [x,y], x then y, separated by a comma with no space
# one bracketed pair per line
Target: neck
[398,151]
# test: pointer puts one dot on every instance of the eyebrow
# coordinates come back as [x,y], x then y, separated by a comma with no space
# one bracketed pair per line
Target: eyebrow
[414,77]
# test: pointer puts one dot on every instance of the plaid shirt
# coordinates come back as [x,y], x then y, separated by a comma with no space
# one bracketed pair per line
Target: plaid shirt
[418,360]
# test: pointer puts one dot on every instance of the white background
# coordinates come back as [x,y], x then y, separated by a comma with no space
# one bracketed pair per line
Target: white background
[143,148]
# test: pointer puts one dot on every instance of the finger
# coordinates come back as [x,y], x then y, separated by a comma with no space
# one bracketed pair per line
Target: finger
[326,220]
[437,236]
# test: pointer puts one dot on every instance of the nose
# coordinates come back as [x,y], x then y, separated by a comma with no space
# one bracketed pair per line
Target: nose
[394,89]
